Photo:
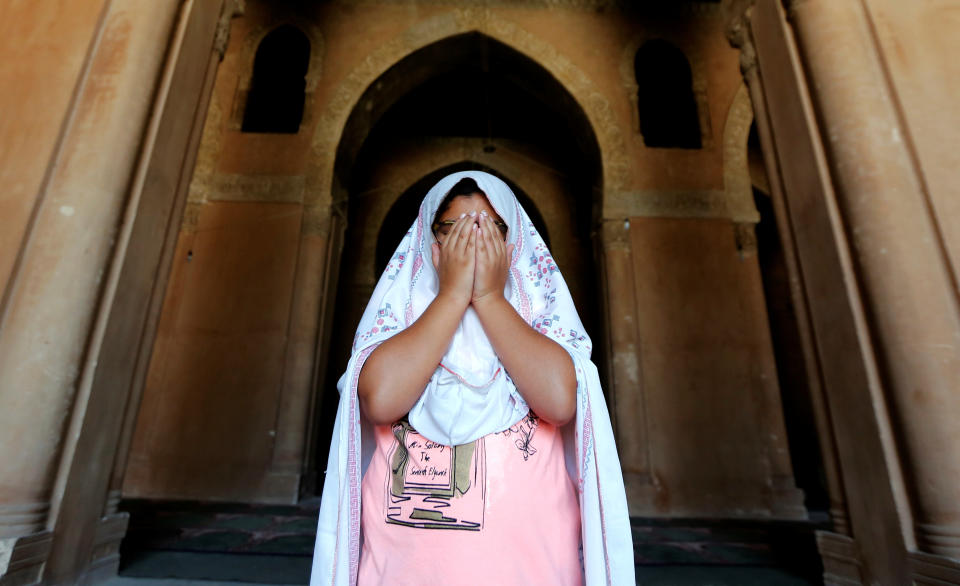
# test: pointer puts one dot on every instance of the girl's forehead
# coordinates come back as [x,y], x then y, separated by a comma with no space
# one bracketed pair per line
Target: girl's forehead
[468,203]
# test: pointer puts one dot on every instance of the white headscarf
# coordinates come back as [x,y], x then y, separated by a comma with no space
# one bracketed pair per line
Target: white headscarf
[475,396]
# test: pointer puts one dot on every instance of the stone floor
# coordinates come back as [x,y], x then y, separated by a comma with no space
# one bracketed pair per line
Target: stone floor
[648,576]
[149,570]
[174,544]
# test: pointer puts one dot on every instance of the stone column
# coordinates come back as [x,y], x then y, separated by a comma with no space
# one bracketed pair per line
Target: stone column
[627,407]
[908,289]
[55,309]
[740,37]
[300,383]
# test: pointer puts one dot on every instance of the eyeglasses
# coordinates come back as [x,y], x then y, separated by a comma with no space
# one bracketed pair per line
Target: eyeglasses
[500,224]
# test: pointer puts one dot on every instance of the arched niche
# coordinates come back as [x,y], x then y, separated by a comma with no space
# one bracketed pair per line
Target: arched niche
[666,104]
[444,58]
[275,102]
[377,163]
[533,98]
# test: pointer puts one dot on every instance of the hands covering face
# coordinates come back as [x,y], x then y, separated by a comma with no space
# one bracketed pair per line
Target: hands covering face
[473,261]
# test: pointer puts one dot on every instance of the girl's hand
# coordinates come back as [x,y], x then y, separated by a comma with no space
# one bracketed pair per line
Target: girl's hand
[456,259]
[493,260]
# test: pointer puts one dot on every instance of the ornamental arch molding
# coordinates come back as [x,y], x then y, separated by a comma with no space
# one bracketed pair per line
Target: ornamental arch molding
[332,125]
[248,51]
[737,185]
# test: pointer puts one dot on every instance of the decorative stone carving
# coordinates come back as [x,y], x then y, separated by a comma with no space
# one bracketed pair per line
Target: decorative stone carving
[210,143]
[267,188]
[345,97]
[222,35]
[316,220]
[746,237]
[667,204]
[736,171]
[695,8]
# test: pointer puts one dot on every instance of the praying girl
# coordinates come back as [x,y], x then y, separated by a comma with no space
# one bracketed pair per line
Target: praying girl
[472,444]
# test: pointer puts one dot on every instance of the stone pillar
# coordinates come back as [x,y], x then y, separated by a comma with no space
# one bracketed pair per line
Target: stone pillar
[740,37]
[908,289]
[308,318]
[52,299]
[57,425]
[626,397]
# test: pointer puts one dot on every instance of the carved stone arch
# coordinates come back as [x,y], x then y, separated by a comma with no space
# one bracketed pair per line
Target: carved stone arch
[470,151]
[698,70]
[738,186]
[550,202]
[346,97]
[247,55]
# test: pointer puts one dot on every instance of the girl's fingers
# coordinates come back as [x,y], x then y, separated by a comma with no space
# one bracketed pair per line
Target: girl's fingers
[464,235]
[482,244]
[501,245]
[471,241]
[454,237]
[496,243]
[493,239]
[471,244]
[459,236]
[484,231]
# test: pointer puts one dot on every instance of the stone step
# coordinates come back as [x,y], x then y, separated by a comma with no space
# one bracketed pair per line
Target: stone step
[220,527]
[249,542]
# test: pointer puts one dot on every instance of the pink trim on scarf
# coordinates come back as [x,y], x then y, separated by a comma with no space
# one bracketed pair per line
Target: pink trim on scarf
[524,300]
[353,466]
[417,264]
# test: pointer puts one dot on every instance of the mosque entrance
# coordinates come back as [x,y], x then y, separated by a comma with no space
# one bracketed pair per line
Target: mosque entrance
[280,251]
[203,193]
[467,102]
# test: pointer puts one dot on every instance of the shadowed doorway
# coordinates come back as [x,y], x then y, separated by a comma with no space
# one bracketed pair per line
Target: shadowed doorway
[467,102]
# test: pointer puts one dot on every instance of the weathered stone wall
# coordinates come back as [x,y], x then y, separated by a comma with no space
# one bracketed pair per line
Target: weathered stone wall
[209,387]
[227,311]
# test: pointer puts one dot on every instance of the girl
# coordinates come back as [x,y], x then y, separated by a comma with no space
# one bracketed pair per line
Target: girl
[471,423]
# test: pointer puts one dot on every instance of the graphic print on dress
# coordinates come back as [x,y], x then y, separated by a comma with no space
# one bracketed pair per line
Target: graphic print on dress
[433,486]
[524,430]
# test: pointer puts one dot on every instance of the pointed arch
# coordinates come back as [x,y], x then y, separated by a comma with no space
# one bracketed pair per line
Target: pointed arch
[277,94]
[666,104]
[335,139]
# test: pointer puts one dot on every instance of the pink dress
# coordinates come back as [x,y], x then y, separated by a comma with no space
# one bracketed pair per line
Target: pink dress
[499,510]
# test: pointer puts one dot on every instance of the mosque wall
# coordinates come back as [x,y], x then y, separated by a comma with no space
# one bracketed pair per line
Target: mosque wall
[209,385]
[714,425]
[240,294]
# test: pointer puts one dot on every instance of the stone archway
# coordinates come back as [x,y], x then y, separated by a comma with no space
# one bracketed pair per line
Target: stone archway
[373,87]
[332,125]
